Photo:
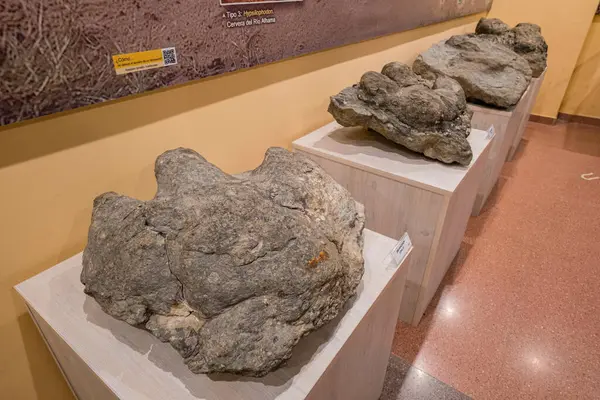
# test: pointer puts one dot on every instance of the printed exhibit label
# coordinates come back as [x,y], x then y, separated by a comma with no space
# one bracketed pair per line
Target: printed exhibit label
[399,252]
[143,60]
[239,19]
[491,133]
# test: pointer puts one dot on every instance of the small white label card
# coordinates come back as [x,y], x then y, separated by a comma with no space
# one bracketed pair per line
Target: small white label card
[491,133]
[399,252]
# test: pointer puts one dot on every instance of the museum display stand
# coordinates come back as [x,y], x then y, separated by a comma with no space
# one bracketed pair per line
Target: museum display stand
[104,358]
[404,192]
[506,124]
[532,94]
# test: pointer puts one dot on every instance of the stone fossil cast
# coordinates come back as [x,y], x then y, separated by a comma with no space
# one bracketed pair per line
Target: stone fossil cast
[524,39]
[489,72]
[429,117]
[231,270]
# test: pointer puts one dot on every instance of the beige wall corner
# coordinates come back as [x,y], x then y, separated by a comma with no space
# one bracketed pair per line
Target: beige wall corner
[52,168]
[583,94]
[565,26]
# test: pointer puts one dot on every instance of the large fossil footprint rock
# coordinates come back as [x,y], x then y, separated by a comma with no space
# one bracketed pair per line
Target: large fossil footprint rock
[231,270]
[489,72]
[429,117]
[524,39]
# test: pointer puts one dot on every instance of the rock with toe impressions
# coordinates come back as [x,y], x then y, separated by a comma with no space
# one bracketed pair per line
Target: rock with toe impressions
[230,270]
[426,116]
[489,72]
[524,39]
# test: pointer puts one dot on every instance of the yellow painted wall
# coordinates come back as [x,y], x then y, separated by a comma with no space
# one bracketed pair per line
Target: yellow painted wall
[51,169]
[583,94]
[565,25]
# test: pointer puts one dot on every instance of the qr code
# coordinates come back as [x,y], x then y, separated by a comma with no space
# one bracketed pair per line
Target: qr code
[169,56]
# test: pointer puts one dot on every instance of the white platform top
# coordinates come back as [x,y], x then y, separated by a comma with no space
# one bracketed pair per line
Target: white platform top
[371,152]
[136,365]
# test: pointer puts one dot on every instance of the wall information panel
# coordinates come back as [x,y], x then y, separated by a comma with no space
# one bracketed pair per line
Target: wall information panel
[57,55]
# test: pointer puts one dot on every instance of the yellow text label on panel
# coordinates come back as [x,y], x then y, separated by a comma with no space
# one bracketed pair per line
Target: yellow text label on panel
[143,60]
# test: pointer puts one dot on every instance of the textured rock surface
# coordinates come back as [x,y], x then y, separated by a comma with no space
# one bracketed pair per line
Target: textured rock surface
[231,270]
[426,116]
[489,72]
[491,26]
[524,39]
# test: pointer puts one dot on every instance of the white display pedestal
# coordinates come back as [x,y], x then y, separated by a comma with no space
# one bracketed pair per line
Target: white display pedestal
[404,192]
[532,94]
[104,358]
[506,124]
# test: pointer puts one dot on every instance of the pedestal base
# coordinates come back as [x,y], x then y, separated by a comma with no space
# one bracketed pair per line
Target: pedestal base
[103,358]
[534,90]
[506,125]
[404,192]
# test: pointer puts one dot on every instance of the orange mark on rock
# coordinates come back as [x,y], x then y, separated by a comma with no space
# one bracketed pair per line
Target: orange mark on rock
[316,260]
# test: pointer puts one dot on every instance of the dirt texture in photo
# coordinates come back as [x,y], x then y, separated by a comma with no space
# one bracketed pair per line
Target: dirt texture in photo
[225,2]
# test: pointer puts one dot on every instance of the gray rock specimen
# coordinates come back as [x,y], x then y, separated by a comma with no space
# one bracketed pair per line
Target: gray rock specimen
[488,72]
[429,117]
[230,270]
[524,39]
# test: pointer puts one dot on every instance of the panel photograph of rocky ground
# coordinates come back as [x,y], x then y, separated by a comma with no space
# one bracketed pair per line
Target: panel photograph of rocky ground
[233,2]
[56,55]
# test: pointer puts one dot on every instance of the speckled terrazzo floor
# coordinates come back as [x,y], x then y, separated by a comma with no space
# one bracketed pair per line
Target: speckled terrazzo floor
[406,382]
[518,314]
